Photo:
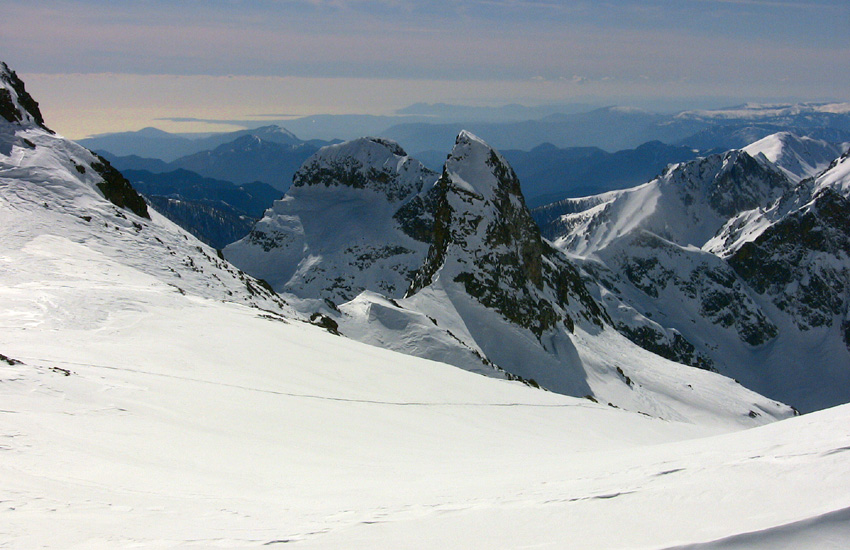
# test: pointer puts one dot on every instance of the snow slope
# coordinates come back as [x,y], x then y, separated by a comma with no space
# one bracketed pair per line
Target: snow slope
[188,422]
[798,157]
[50,186]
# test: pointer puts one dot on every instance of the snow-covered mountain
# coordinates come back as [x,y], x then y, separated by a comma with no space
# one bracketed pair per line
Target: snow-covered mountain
[55,194]
[748,265]
[457,271]
[154,396]
[797,157]
[352,221]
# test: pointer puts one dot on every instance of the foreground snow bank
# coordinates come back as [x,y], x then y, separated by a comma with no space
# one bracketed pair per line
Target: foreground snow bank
[194,423]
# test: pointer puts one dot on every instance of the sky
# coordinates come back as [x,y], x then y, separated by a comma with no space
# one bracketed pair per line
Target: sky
[98,66]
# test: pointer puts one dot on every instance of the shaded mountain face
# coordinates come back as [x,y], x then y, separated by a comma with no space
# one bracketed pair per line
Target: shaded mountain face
[353,220]
[750,267]
[250,199]
[216,212]
[57,195]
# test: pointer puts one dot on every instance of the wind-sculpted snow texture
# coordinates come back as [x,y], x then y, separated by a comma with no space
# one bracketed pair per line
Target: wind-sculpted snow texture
[348,224]
[746,259]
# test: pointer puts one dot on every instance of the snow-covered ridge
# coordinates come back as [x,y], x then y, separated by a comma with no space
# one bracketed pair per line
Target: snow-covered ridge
[755,111]
[797,157]
[743,254]
[471,163]
[53,188]
[377,164]
[687,204]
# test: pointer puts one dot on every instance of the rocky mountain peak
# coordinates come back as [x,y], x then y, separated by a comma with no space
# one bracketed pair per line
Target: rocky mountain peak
[16,104]
[26,131]
[730,182]
[475,167]
[486,241]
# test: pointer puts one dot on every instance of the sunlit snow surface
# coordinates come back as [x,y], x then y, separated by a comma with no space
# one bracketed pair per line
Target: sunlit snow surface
[144,404]
[186,422]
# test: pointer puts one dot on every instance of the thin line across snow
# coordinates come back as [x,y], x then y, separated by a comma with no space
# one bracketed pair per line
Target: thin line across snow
[306,395]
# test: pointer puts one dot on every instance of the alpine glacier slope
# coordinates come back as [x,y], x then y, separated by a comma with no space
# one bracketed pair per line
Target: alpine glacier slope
[748,261]
[148,401]
[797,157]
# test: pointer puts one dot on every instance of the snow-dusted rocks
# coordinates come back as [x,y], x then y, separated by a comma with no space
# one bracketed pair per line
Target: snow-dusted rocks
[501,301]
[348,224]
[486,243]
[363,223]
[17,106]
[738,255]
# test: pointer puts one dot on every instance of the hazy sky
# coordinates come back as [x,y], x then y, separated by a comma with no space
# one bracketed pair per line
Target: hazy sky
[100,66]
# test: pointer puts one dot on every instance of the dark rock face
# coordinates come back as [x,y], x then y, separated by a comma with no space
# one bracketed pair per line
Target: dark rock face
[118,190]
[485,239]
[676,348]
[416,216]
[742,184]
[8,110]
[802,262]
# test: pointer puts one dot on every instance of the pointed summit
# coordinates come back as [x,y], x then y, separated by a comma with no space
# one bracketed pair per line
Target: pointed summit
[22,128]
[486,241]
[16,104]
[475,167]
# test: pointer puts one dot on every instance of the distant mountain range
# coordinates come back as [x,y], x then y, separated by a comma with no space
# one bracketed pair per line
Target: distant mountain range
[269,154]
[155,143]
[558,155]
[217,212]
[549,174]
